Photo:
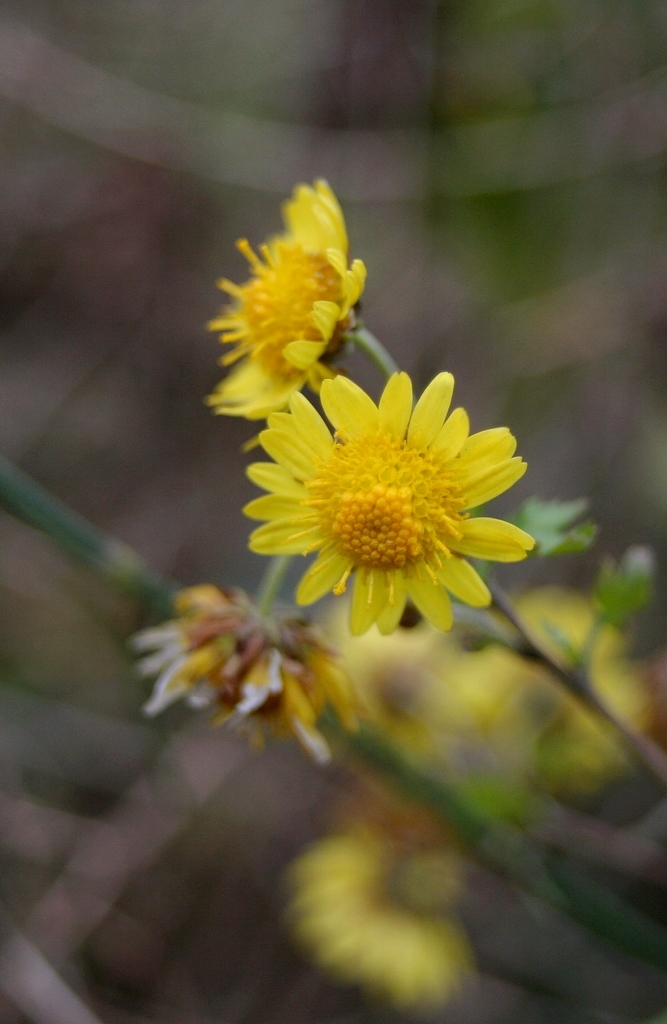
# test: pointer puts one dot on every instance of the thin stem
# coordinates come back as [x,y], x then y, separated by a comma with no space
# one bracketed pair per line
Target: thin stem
[577,681]
[271,582]
[25,499]
[374,349]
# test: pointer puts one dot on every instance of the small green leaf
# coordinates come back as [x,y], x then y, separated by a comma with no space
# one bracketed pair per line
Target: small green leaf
[624,588]
[501,799]
[553,525]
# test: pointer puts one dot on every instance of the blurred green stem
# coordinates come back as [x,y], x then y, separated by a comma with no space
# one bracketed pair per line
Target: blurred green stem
[271,582]
[374,349]
[25,499]
[506,850]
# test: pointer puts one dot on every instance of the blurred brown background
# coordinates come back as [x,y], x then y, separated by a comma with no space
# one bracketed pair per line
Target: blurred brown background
[501,164]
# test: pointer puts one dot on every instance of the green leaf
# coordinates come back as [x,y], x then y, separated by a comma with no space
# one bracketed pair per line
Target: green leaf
[623,588]
[554,527]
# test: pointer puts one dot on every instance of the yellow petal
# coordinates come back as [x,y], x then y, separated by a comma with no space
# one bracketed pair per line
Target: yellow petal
[303,354]
[324,316]
[348,408]
[314,218]
[452,435]
[432,601]
[321,577]
[494,539]
[311,426]
[395,406]
[488,447]
[430,411]
[274,478]
[369,598]
[286,449]
[250,393]
[338,260]
[491,481]
[389,618]
[465,582]
[273,506]
[280,538]
[353,285]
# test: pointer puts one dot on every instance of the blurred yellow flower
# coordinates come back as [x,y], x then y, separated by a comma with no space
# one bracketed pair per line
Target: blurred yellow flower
[493,713]
[524,718]
[220,653]
[293,311]
[375,914]
[386,498]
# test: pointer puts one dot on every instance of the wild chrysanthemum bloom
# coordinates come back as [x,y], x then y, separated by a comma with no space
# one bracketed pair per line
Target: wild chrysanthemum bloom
[220,653]
[386,498]
[289,318]
[379,915]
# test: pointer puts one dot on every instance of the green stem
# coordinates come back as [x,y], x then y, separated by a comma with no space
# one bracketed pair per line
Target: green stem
[32,504]
[374,349]
[506,850]
[271,582]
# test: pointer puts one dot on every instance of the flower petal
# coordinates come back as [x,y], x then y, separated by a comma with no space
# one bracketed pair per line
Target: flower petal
[452,435]
[432,601]
[321,577]
[247,391]
[389,618]
[493,539]
[271,477]
[324,316]
[369,598]
[311,426]
[465,582]
[314,218]
[395,406]
[289,451]
[348,408]
[303,354]
[283,537]
[491,481]
[488,447]
[430,411]
[273,506]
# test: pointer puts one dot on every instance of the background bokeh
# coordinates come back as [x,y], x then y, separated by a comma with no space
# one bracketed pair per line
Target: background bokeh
[501,164]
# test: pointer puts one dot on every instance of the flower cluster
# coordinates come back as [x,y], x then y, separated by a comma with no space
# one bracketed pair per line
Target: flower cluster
[389,499]
[254,674]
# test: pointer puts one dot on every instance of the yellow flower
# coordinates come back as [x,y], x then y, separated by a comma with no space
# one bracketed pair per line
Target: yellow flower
[576,751]
[290,316]
[380,917]
[522,718]
[220,653]
[386,498]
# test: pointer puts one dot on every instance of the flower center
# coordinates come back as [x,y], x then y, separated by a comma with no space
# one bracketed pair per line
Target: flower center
[277,304]
[386,505]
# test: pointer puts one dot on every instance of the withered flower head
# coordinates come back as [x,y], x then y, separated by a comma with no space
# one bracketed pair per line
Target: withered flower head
[254,673]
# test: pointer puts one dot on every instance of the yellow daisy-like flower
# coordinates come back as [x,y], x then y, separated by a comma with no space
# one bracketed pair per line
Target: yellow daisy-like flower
[293,311]
[380,917]
[386,498]
[255,675]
